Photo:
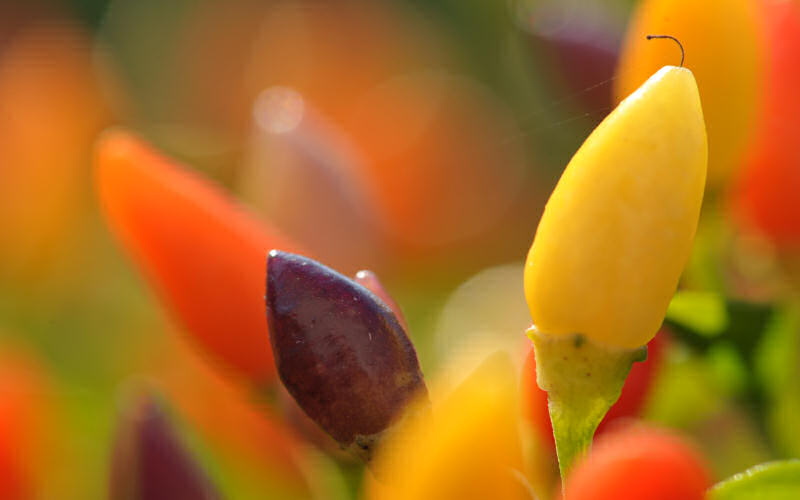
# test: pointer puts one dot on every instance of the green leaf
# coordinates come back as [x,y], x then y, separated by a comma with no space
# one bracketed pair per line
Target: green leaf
[769,481]
[748,322]
[702,320]
[703,312]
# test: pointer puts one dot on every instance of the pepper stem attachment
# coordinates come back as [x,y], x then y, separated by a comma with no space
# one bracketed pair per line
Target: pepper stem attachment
[583,379]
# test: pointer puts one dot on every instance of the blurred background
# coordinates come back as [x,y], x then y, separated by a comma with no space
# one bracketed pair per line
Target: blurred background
[418,139]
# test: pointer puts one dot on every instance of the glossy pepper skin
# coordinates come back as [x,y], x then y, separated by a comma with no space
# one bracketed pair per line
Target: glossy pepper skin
[340,351]
[618,228]
[202,253]
[722,40]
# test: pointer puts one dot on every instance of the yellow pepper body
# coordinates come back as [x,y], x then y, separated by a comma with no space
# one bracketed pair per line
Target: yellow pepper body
[723,41]
[618,228]
[469,450]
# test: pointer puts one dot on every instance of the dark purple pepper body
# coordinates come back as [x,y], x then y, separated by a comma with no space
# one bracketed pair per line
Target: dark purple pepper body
[150,462]
[340,351]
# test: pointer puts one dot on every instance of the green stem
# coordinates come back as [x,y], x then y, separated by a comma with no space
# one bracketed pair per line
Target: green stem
[583,379]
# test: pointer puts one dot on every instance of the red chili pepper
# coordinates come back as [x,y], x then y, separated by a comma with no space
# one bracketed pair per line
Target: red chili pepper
[767,197]
[641,463]
[27,431]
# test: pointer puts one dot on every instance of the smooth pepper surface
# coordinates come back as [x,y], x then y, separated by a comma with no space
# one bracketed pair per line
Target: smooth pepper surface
[618,228]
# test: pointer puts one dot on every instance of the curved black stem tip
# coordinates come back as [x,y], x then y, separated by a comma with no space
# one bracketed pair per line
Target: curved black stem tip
[650,37]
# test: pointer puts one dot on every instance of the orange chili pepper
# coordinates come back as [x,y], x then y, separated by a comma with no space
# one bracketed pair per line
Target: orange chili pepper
[204,255]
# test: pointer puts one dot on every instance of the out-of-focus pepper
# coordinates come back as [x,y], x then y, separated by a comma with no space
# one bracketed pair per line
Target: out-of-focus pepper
[428,143]
[52,110]
[202,253]
[150,462]
[767,197]
[640,462]
[28,446]
[722,39]
[469,450]
[238,426]
[618,228]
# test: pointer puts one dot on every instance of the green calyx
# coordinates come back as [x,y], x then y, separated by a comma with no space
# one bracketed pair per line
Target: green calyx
[583,379]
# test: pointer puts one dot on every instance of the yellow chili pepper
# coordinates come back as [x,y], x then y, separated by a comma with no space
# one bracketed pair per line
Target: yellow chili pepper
[470,449]
[618,228]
